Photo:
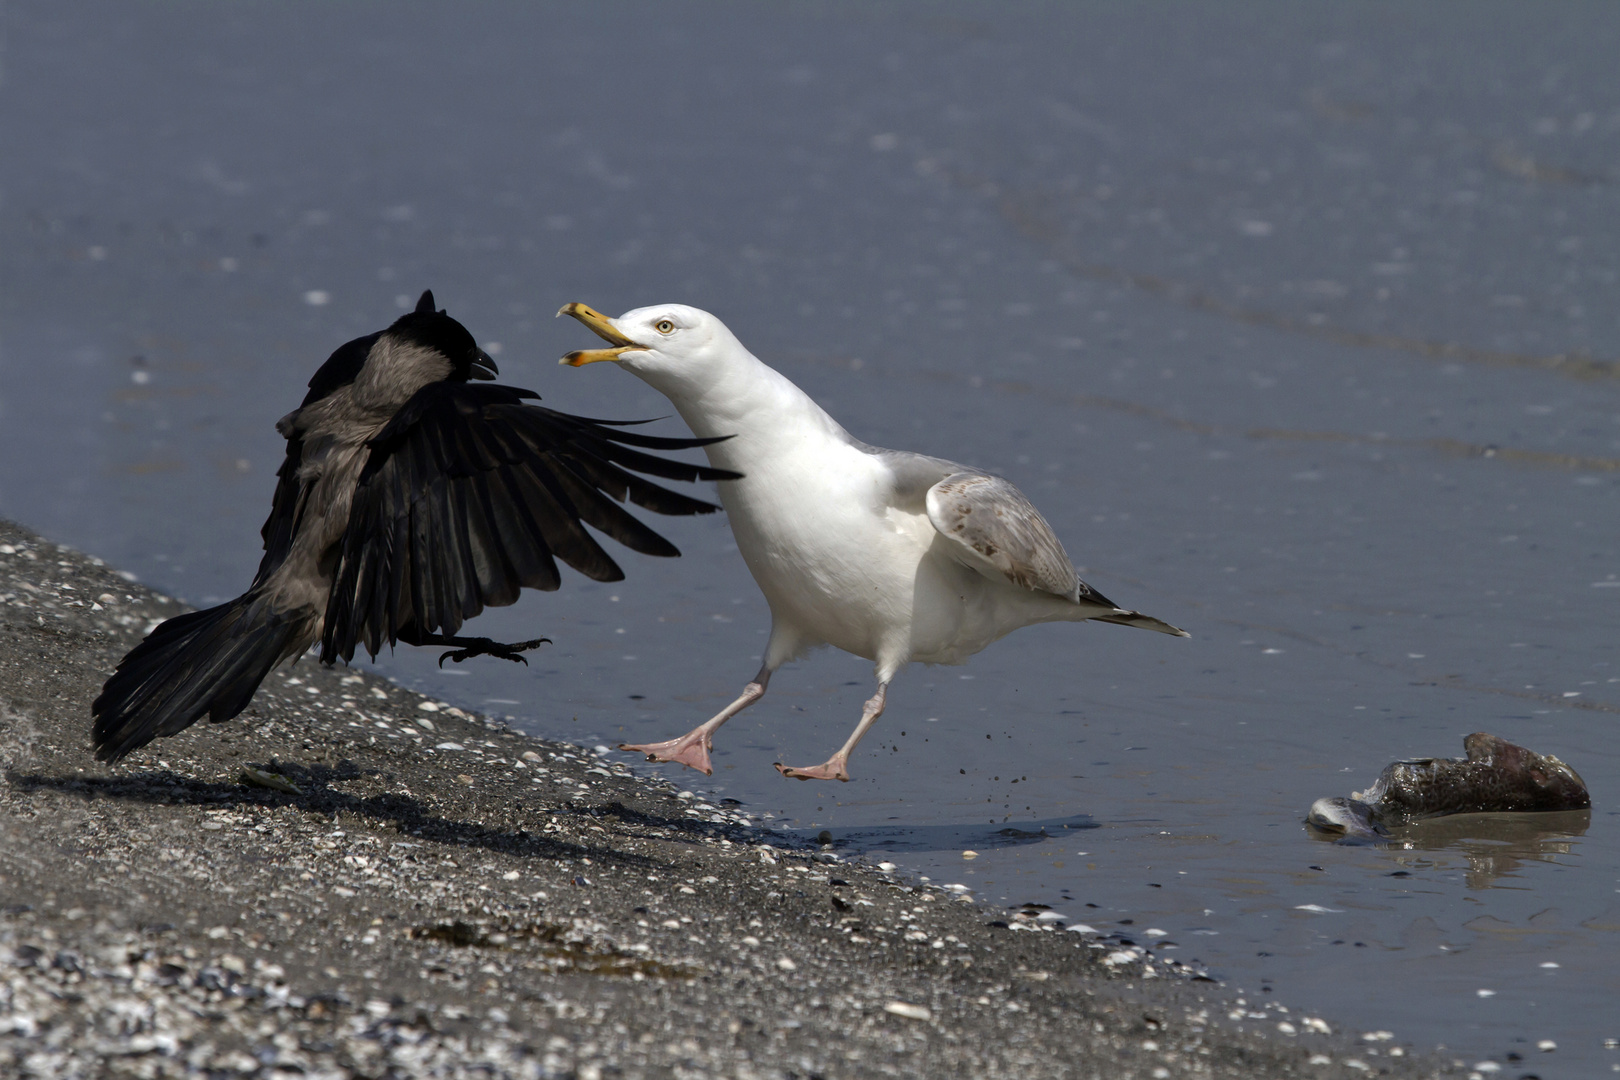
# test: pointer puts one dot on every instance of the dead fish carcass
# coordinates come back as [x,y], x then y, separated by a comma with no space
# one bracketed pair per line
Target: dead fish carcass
[1496,777]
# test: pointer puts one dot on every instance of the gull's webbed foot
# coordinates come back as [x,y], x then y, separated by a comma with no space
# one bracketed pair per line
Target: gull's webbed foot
[834,769]
[471,647]
[691,750]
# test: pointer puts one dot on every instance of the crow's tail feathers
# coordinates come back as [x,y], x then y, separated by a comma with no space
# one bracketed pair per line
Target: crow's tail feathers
[206,663]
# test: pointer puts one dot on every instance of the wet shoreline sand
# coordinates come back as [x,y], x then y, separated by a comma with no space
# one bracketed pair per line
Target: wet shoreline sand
[445,896]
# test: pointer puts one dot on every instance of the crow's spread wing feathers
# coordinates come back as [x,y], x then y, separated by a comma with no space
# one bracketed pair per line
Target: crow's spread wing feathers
[469,495]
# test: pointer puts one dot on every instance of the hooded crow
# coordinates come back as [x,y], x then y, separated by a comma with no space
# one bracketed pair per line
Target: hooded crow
[411,498]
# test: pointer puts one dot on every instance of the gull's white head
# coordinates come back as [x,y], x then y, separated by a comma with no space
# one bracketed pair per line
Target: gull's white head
[671,346]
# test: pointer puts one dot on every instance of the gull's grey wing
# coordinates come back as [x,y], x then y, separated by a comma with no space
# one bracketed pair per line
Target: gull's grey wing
[999,533]
[911,475]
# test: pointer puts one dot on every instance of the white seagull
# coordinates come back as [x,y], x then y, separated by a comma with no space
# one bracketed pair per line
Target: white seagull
[889,555]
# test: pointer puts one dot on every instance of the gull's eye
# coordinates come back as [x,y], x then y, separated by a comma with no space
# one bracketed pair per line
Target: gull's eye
[664,326]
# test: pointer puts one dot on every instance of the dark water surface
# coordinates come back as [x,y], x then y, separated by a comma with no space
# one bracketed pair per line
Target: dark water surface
[1299,323]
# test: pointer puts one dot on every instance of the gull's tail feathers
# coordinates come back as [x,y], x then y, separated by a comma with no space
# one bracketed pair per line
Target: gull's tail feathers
[204,663]
[1122,617]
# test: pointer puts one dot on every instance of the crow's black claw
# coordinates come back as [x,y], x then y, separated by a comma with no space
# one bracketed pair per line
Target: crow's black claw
[486,647]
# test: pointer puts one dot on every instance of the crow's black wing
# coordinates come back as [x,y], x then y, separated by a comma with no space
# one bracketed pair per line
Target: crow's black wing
[470,494]
[285,508]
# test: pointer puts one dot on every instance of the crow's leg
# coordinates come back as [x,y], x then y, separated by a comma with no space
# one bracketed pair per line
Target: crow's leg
[465,648]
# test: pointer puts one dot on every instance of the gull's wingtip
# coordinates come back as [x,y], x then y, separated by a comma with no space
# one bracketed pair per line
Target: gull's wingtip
[1125,617]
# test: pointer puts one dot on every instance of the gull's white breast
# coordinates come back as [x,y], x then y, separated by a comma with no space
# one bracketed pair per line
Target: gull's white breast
[836,560]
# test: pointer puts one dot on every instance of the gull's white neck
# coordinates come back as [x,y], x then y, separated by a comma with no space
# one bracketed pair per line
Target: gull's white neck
[760,408]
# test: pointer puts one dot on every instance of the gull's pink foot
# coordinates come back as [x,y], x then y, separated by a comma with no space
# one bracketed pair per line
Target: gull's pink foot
[686,750]
[832,770]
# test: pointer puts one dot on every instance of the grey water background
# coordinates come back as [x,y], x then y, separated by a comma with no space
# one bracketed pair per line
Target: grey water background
[1298,322]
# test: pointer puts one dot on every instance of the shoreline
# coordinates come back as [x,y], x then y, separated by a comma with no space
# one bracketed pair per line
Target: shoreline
[441,895]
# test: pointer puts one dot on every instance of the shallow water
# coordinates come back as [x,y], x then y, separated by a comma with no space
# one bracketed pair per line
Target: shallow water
[1299,326]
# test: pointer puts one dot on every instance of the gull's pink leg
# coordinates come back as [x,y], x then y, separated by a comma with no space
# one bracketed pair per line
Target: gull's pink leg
[837,766]
[692,749]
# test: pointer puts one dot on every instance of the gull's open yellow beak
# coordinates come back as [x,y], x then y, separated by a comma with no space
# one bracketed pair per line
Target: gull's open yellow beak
[604,329]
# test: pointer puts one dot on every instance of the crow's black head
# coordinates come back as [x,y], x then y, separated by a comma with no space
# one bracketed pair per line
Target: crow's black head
[425,327]
[437,330]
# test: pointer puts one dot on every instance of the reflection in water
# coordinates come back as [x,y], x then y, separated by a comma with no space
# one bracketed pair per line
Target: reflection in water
[862,839]
[1495,845]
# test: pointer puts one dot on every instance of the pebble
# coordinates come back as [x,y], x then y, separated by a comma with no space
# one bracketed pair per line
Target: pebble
[908,1010]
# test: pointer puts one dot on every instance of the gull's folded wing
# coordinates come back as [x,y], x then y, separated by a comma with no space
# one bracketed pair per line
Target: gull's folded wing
[999,533]
[470,495]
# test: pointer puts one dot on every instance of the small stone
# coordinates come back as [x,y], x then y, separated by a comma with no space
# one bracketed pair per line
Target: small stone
[908,1010]
[786,965]
[266,779]
[970,854]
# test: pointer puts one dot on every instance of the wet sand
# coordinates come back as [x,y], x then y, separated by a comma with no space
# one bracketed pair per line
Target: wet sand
[445,896]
